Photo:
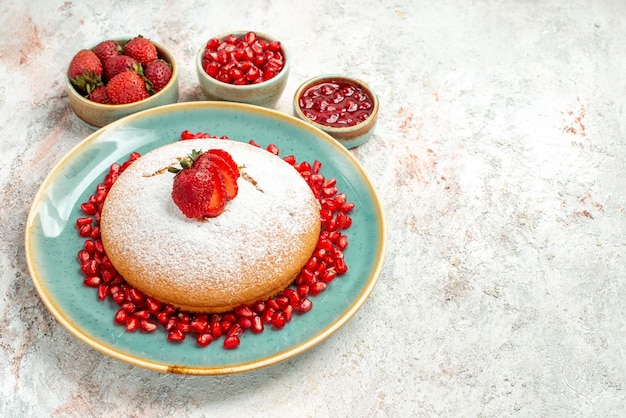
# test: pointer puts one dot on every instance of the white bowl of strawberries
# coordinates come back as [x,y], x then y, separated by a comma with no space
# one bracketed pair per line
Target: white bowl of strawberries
[119,77]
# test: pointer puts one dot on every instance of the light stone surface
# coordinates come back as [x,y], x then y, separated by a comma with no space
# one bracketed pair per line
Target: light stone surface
[499,159]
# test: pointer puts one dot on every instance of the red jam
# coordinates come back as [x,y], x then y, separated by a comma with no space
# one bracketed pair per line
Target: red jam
[337,104]
[243,60]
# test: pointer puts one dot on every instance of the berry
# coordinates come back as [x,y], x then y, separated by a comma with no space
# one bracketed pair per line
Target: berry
[107,49]
[228,176]
[99,95]
[142,49]
[204,184]
[159,72]
[118,64]
[194,187]
[127,87]
[85,71]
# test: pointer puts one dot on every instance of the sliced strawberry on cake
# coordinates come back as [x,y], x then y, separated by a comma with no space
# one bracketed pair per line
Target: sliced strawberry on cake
[204,183]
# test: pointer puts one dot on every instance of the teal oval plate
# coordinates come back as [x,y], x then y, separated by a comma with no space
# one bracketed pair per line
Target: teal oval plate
[52,241]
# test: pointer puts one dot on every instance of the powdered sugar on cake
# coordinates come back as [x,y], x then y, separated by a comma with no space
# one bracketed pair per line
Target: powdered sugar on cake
[216,253]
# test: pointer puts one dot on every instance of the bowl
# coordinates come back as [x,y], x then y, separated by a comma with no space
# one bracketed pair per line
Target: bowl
[265,93]
[97,115]
[346,108]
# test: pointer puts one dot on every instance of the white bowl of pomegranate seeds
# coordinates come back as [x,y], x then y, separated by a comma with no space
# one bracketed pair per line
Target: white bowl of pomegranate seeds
[346,108]
[99,93]
[243,66]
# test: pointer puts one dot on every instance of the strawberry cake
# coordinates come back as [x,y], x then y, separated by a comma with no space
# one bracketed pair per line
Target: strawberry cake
[250,249]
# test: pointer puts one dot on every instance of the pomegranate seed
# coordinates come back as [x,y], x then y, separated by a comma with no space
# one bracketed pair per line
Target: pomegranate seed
[204,339]
[184,318]
[257,325]
[273,149]
[103,291]
[89,208]
[226,326]
[83,221]
[90,246]
[183,327]
[235,331]
[292,295]
[244,322]
[328,276]
[290,159]
[268,315]
[172,324]
[346,207]
[317,288]
[176,335]
[154,306]
[303,290]
[129,307]
[316,167]
[121,317]
[132,324]
[340,266]
[259,307]
[108,275]
[118,297]
[279,321]
[136,296]
[342,242]
[163,318]
[287,313]
[230,317]
[244,311]
[142,314]
[95,232]
[282,302]
[147,326]
[273,305]
[85,230]
[90,267]
[199,325]
[83,256]
[231,343]
[305,305]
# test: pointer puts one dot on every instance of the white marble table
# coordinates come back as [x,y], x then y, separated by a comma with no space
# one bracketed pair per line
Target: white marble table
[499,159]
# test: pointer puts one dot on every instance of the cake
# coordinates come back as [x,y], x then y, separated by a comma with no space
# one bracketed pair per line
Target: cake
[254,249]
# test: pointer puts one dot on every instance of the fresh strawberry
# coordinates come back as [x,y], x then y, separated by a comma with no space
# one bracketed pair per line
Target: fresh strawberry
[159,72]
[228,176]
[99,95]
[106,49]
[127,87]
[197,189]
[142,49]
[85,71]
[118,64]
[228,158]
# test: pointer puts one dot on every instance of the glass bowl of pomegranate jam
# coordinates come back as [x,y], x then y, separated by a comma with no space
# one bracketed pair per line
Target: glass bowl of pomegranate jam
[243,66]
[346,108]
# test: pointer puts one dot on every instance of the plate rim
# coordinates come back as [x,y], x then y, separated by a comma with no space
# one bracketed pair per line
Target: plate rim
[111,351]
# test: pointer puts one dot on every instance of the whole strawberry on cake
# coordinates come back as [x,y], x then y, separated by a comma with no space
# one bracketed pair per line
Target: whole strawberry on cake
[208,225]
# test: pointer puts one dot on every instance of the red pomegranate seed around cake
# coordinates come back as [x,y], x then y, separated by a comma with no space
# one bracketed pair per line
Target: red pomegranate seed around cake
[231,343]
[121,317]
[147,326]
[305,305]
[204,339]
[176,335]
[257,325]
[132,324]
